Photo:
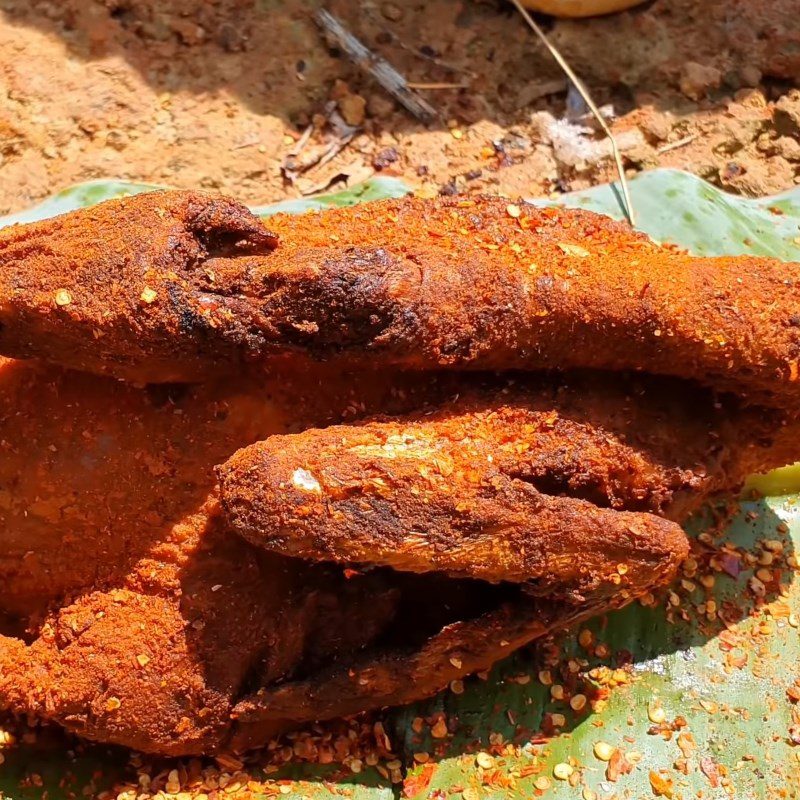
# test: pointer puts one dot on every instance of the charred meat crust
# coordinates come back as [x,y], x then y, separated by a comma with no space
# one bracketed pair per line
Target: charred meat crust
[271,639]
[448,283]
[480,489]
[104,288]
[395,678]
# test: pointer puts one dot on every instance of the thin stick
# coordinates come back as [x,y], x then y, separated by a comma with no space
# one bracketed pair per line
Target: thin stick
[432,86]
[675,145]
[302,141]
[430,59]
[334,150]
[584,92]
[380,69]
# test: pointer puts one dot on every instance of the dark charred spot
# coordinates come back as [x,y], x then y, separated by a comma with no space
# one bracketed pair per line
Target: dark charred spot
[347,307]
[229,244]
[164,394]
[189,321]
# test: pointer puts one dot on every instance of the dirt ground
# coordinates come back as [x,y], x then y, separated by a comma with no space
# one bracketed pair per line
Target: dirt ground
[218,94]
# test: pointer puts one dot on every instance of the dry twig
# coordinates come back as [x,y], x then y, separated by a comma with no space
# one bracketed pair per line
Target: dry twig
[584,92]
[380,69]
[675,145]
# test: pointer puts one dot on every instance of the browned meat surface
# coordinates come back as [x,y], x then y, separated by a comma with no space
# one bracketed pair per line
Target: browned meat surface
[463,517]
[176,286]
[493,490]
[119,572]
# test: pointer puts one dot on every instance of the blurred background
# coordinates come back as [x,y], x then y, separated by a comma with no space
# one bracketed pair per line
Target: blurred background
[250,97]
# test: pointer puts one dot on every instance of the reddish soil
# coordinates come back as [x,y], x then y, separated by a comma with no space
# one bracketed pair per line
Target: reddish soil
[217,94]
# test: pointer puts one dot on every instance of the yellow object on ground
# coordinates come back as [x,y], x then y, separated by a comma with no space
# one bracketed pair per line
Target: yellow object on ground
[579,8]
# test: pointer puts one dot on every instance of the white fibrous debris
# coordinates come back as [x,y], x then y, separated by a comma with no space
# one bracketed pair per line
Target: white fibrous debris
[304,480]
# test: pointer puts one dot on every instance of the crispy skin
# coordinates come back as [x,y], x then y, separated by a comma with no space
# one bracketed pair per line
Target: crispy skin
[421,284]
[108,505]
[105,287]
[478,489]
[535,481]
[528,484]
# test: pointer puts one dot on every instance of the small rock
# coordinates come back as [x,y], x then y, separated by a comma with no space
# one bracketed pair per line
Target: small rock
[392,12]
[657,127]
[642,156]
[732,80]
[190,33]
[787,114]
[697,80]
[766,143]
[750,75]
[352,107]
[230,38]
[707,171]
[116,139]
[787,147]
[340,89]
[384,158]
[751,98]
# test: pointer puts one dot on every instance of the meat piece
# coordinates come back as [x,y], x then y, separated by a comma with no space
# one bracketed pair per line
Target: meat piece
[553,487]
[537,482]
[142,620]
[132,614]
[483,489]
[448,283]
[105,287]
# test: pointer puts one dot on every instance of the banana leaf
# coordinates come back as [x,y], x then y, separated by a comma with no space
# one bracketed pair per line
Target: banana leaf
[683,697]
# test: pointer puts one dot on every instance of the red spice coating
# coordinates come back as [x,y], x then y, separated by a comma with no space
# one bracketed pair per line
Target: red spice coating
[153,626]
[496,490]
[177,286]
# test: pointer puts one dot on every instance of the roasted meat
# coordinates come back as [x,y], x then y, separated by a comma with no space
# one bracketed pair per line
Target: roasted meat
[528,485]
[103,288]
[380,532]
[483,487]
[177,286]
[135,615]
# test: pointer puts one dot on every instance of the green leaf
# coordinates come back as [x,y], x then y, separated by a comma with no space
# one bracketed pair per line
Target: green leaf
[374,189]
[736,710]
[674,206]
[88,194]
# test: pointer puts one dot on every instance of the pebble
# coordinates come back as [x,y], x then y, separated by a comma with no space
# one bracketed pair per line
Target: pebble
[352,107]
[698,79]
[392,12]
